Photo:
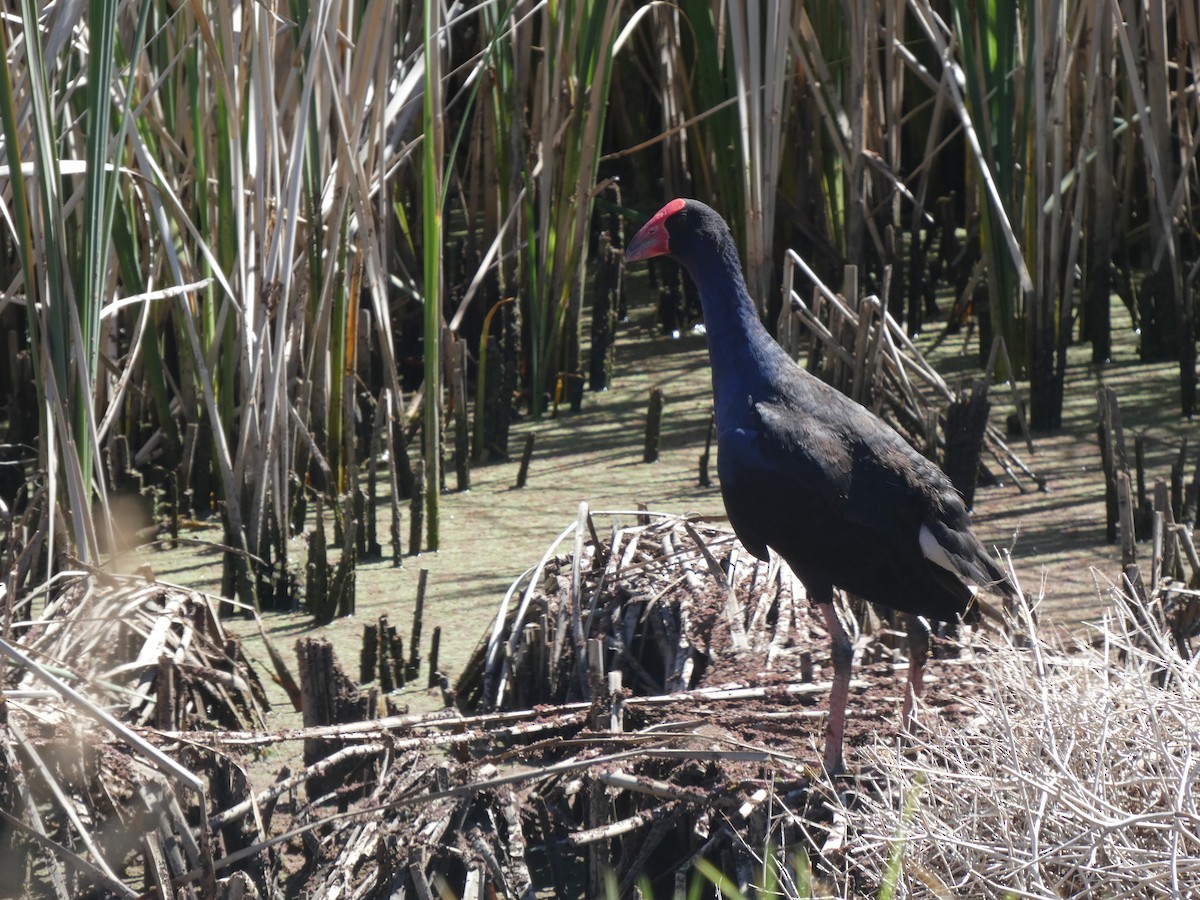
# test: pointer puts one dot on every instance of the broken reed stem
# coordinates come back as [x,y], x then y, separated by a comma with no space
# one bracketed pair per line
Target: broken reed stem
[462,429]
[387,682]
[373,549]
[394,469]
[1113,457]
[623,826]
[526,456]
[641,784]
[602,356]
[1125,520]
[965,430]
[398,665]
[704,479]
[434,649]
[316,592]
[481,727]
[369,655]
[653,425]
[414,649]
[416,512]
[1177,489]
[292,782]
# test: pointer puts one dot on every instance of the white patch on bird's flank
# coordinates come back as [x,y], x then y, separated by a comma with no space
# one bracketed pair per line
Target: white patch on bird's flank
[935,552]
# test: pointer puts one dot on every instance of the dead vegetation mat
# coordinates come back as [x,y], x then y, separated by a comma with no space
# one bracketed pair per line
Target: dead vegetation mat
[650,696]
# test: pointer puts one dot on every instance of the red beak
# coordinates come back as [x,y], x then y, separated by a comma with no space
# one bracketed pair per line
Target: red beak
[653,239]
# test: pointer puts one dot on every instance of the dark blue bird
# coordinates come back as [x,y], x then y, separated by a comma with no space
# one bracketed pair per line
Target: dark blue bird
[816,477]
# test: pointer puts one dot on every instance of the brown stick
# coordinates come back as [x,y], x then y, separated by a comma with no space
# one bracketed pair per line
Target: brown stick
[642,784]
[705,480]
[414,647]
[393,475]
[369,657]
[539,719]
[398,667]
[280,788]
[434,646]
[387,682]
[624,826]
[653,425]
[416,513]
[526,455]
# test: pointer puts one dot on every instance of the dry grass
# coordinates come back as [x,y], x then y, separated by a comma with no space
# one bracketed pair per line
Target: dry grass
[1069,775]
[1075,779]
[155,653]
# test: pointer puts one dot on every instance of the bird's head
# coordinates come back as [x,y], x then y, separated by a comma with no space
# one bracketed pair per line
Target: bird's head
[685,229]
[654,239]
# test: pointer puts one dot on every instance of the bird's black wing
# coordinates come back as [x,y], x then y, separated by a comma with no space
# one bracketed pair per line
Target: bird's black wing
[772,474]
[845,499]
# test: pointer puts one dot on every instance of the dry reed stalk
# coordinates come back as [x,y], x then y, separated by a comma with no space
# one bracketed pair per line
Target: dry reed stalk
[112,631]
[525,782]
[1075,779]
[901,375]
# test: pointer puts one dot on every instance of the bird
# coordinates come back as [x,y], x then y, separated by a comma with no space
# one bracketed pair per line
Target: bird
[814,476]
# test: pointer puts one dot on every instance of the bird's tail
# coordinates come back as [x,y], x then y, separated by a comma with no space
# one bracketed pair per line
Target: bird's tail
[998,583]
[988,610]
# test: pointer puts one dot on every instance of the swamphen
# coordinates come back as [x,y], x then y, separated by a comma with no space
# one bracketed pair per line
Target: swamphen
[817,478]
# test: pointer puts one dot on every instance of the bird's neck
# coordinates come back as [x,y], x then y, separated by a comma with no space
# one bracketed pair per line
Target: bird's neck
[742,353]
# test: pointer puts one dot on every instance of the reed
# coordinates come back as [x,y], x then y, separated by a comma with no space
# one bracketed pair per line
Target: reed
[431,195]
[236,227]
[555,127]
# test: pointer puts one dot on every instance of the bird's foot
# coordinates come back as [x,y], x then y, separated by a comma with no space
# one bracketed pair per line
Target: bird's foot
[833,767]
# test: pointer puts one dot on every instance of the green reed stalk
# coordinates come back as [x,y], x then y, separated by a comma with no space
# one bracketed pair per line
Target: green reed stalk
[570,100]
[990,35]
[100,194]
[710,89]
[431,193]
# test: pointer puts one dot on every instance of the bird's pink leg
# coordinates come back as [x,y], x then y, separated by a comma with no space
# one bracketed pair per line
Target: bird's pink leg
[843,655]
[918,651]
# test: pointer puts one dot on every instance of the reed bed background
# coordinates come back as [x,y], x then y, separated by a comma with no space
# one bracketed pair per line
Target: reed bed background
[251,245]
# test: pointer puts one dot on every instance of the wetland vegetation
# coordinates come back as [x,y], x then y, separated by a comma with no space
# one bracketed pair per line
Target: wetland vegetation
[290,275]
